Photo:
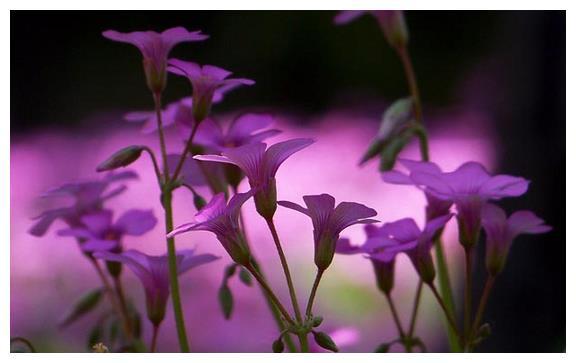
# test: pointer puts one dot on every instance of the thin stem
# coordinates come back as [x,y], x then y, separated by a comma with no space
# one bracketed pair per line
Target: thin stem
[173,269]
[270,293]
[415,308]
[158,109]
[395,316]
[313,292]
[185,152]
[482,304]
[468,293]
[112,297]
[449,317]
[286,269]
[122,301]
[155,163]
[303,338]
[154,340]
[412,83]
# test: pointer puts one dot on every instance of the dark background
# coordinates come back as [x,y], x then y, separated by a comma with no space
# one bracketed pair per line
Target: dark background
[63,71]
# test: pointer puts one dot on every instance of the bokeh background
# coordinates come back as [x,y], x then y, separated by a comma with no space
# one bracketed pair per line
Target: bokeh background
[493,86]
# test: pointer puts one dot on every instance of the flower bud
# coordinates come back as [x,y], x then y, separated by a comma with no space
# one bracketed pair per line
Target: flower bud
[324,340]
[122,157]
[316,321]
[278,345]
[265,200]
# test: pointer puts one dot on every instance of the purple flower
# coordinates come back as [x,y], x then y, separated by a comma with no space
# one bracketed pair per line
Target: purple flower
[501,231]
[260,166]
[384,243]
[469,187]
[154,275]
[205,80]
[99,233]
[391,22]
[328,222]
[222,220]
[155,48]
[88,196]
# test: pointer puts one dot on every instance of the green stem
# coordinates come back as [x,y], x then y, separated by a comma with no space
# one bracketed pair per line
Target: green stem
[468,294]
[155,164]
[482,305]
[158,109]
[412,83]
[166,191]
[415,309]
[270,293]
[286,269]
[313,293]
[445,288]
[303,338]
[449,317]
[154,340]
[122,301]
[395,316]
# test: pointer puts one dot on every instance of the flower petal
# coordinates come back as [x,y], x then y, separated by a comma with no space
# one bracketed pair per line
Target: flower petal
[248,158]
[500,186]
[189,260]
[246,124]
[320,208]
[349,213]
[278,153]
[396,177]
[527,222]
[295,206]
[136,222]
[403,230]
[344,247]
[99,222]
[346,16]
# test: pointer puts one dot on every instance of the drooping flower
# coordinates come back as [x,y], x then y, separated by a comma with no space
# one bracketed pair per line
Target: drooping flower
[501,232]
[99,233]
[391,22]
[205,80]
[469,187]
[154,274]
[155,48]
[222,220]
[328,221]
[260,166]
[88,196]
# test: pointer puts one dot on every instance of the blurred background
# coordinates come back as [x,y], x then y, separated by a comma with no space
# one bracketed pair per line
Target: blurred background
[493,87]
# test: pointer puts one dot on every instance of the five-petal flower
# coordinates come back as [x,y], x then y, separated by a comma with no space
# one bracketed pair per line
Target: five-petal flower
[222,220]
[469,187]
[205,80]
[328,221]
[260,166]
[155,48]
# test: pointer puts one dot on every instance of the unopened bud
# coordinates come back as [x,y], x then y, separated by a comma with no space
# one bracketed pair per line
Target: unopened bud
[121,158]
[324,340]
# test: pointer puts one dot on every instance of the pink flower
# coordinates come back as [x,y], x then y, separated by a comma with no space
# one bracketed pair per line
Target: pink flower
[329,221]
[155,48]
[222,220]
[88,197]
[469,187]
[206,81]
[501,232]
[260,166]
[154,275]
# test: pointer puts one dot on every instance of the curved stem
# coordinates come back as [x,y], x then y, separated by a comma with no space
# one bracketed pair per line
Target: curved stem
[286,269]
[154,340]
[482,304]
[313,292]
[155,163]
[412,83]
[270,293]
[395,316]
[185,152]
